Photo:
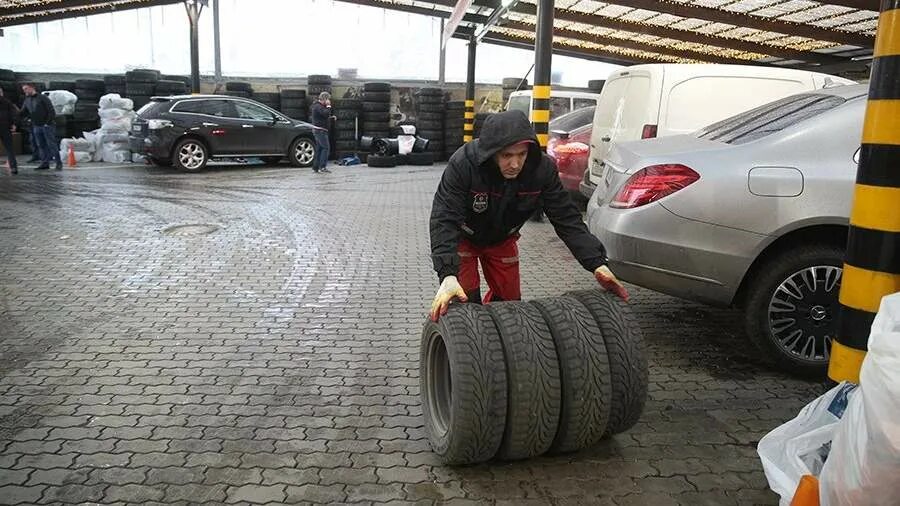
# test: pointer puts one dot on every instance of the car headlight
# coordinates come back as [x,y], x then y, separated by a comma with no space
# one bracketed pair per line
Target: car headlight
[158,124]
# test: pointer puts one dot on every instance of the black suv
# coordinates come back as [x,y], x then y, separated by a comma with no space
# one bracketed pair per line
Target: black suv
[186,131]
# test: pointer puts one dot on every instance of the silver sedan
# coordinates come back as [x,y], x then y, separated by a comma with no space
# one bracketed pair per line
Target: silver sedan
[749,212]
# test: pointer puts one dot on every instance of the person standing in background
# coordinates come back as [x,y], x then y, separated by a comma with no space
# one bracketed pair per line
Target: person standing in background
[320,114]
[40,109]
[8,114]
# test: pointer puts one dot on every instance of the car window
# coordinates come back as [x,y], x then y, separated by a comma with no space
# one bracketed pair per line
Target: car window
[770,118]
[573,120]
[220,108]
[581,103]
[246,110]
[559,106]
[520,103]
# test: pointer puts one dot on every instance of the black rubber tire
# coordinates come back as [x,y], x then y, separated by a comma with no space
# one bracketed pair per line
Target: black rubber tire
[383,117]
[431,134]
[145,89]
[293,94]
[86,111]
[379,134]
[61,85]
[462,382]
[430,125]
[347,115]
[401,160]
[346,145]
[377,87]
[455,105]
[430,100]
[431,108]
[7,75]
[319,79]
[382,161]
[345,124]
[377,96]
[376,106]
[374,125]
[430,116]
[627,358]
[432,92]
[142,76]
[241,94]
[266,97]
[295,161]
[584,373]
[422,159]
[345,135]
[116,88]
[532,373]
[314,90]
[760,290]
[347,104]
[238,86]
[90,84]
[176,161]
[293,103]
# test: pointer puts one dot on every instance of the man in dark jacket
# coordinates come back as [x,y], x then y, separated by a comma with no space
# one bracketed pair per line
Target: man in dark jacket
[8,114]
[320,113]
[39,108]
[489,189]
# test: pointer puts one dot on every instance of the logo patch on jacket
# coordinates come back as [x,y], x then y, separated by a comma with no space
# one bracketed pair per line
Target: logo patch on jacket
[480,202]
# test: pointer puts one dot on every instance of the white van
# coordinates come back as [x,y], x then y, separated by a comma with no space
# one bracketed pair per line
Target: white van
[561,101]
[657,100]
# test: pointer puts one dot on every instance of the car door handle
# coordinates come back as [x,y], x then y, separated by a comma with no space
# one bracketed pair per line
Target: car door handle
[605,139]
[210,124]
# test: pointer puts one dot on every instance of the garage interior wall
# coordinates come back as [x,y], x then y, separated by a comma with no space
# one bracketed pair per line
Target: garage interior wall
[270,38]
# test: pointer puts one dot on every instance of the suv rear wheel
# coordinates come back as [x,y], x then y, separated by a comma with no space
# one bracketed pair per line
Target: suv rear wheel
[303,152]
[190,155]
[792,307]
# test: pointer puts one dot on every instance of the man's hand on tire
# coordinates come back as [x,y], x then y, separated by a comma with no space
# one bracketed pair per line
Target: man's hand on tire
[609,282]
[449,290]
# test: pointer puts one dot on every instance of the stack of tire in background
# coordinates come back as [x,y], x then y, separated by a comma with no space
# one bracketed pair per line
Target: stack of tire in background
[238,89]
[376,110]
[140,85]
[168,86]
[551,376]
[11,90]
[268,99]
[348,112]
[454,118]
[86,116]
[294,104]
[430,120]
[511,84]
[116,84]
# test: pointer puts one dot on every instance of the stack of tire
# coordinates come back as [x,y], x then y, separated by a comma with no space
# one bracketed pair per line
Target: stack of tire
[376,110]
[348,112]
[479,122]
[11,90]
[268,99]
[167,87]
[550,376]
[184,79]
[293,104]
[115,84]
[316,84]
[238,89]
[140,85]
[596,85]
[64,85]
[511,84]
[86,117]
[454,119]
[430,120]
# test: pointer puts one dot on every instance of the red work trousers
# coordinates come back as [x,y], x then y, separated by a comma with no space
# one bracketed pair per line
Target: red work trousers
[500,264]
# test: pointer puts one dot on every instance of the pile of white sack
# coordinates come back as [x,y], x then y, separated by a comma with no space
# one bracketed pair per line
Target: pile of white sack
[63,101]
[111,141]
[83,148]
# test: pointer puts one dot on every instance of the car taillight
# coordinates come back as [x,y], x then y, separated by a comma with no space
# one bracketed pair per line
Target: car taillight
[572,148]
[653,183]
[648,132]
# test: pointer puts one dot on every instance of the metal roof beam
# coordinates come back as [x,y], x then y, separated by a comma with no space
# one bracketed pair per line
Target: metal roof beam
[72,11]
[864,5]
[749,21]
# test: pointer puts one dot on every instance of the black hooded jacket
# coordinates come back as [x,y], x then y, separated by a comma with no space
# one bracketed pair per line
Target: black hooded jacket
[475,201]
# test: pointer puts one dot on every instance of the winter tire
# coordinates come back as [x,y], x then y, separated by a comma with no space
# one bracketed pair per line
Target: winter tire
[431,108]
[431,134]
[431,92]
[532,375]
[190,154]
[345,145]
[145,89]
[142,76]
[238,86]
[382,117]
[430,125]
[430,100]
[382,161]
[627,360]
[303,152]
[420,158]
[293,103]
[380,87]
[346,115]
[462,380]
[377,96]
[61,85]
[376,107]
[293,94]
[792,306]
[319,79]
[314,90]
[7,75]
[347,104]
[344,135]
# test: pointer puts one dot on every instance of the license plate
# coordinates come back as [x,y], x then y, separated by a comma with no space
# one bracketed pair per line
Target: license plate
[136,128]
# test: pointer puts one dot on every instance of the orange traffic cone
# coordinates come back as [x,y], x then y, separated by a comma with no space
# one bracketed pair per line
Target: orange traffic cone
[71,161]
[807,493]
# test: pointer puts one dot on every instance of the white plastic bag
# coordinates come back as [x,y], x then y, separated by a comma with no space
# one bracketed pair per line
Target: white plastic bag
[406,140]
[63,101]
[114,101]
[800,446]
[864,464]
[80,156]
[115,125]
[77,144]
[113,155]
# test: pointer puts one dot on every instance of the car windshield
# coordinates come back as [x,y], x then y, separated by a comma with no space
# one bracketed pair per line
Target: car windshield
[520,103]
[769,118]
[574,120]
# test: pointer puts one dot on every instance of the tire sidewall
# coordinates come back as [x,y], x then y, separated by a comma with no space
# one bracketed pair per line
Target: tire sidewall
[176,160]
[296,162]
[440,442]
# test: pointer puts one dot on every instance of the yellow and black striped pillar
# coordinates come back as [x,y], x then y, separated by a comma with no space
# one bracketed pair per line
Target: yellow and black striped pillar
[543,52]
[469,122]
[872,262]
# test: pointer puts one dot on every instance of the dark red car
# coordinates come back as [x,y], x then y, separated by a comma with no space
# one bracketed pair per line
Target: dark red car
[570,145]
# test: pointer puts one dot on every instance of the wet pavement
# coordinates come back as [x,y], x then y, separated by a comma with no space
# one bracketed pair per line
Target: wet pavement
[250,335]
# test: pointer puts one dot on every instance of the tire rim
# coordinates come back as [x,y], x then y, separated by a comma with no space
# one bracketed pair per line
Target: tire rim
[305,152]
[191,156]
[439,386]
[803,310]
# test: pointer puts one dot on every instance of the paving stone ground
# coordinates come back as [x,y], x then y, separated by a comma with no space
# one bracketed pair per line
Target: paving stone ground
[275,358]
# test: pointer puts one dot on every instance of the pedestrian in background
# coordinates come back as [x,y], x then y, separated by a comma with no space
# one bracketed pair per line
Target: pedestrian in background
[321,117]
[40,109]
[8,114]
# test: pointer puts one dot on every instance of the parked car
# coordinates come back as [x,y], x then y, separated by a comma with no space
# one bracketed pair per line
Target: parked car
[569,146]
[561,101]
[656,100]
[186,131]
[751,212]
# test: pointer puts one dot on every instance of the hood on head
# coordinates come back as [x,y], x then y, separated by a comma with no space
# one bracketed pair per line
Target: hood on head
[505,129]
